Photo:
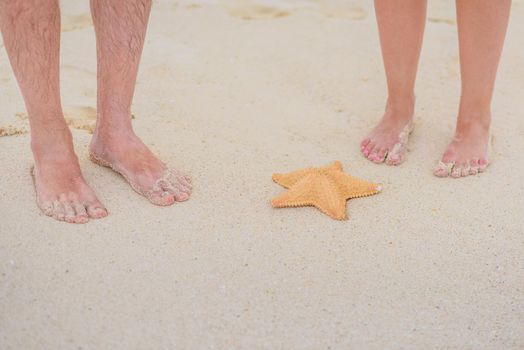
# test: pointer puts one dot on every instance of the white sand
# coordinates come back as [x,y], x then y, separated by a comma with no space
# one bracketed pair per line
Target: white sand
[428,263]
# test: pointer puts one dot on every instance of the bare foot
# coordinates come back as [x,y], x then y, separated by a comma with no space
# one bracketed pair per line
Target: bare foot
[126,154]
[467,153]
[61,190]
[388,141]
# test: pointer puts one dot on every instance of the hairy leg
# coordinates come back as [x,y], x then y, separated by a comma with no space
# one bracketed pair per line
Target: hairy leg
[31,32]
[401,28]
[482,27]
[120,28]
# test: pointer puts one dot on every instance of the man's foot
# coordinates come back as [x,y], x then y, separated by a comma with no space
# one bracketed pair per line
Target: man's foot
[467,153]
[126,154]
[388,141]
[61,190]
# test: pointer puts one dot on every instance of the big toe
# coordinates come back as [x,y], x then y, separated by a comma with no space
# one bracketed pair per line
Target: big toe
[96,210]
[397,154]
[47,208]
[456,172]
[442,169]
[161,197]
[380,156]
[394,159]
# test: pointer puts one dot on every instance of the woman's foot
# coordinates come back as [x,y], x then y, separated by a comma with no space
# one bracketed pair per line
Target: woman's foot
[467,153]
[61,190]
[126,154]
[388,141]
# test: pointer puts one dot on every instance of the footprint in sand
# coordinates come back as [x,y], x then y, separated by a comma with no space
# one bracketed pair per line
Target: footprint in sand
[343,9]
[78,117]
[267,9]
[188,5]
[4,79]
[252,9]
[159,70]
[193,6]
[441,20]
[453,65]
[11,130]
[81,117]
[70,23]
[75,73]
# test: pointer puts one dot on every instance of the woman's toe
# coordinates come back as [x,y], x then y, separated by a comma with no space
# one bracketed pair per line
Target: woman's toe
[442,170]
[393,159]
[380,156]
[373,154]
[368,148]
[364,143]
[465,170]
[456,172]
[473,167]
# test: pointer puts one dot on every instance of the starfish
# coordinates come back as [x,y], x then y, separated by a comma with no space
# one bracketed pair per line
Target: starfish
[327,188]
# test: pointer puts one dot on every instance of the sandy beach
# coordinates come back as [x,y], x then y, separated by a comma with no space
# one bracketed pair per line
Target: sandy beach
[231,92]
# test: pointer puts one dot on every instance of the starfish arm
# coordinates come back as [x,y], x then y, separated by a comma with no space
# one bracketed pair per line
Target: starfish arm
[329,199]
[317,191]
[336,165]
[289,179]
[300,194]
[352,187]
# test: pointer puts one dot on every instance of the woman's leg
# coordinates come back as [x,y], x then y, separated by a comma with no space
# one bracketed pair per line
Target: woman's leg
[120,28]
[401,28]
[482,27]
[31,32]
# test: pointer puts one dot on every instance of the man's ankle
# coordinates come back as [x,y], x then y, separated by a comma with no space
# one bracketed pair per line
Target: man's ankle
[55,144]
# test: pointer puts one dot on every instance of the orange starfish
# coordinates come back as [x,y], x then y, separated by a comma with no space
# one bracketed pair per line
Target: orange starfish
[327,188]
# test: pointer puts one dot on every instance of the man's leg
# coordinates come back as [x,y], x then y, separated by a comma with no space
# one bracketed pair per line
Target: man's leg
[120,28]
[401,28]
[31,32]
[482,27]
